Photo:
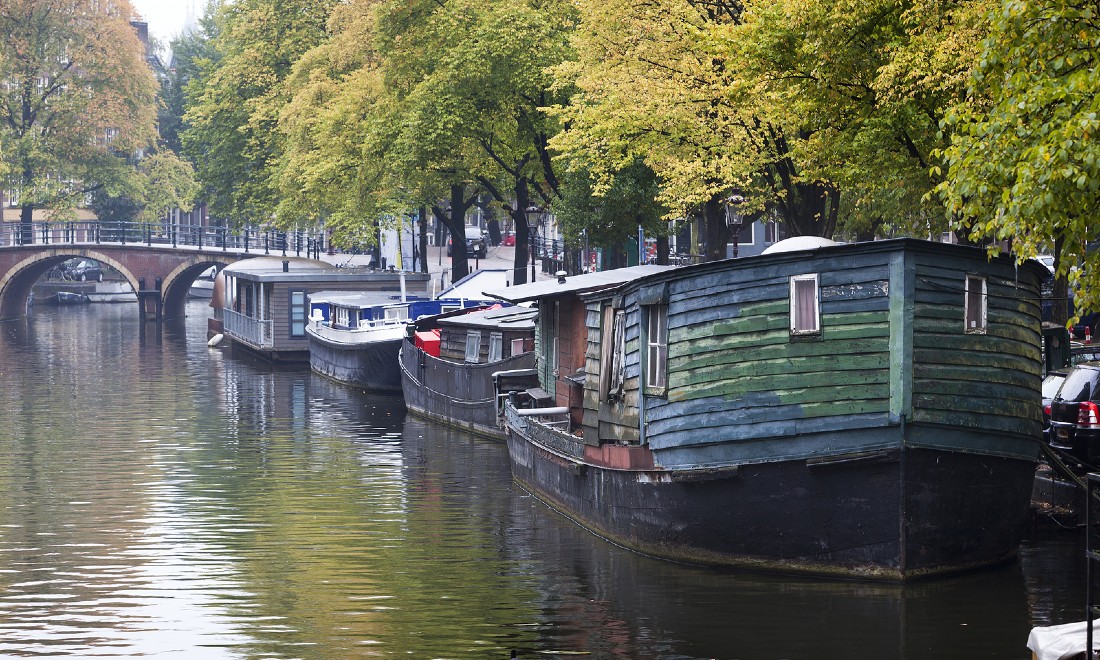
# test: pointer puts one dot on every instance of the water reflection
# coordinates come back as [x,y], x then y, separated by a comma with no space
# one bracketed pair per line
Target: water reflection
[158,497]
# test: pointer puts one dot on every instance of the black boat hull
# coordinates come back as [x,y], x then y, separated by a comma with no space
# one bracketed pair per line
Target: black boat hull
[459,395]
[370,365]
[892,515]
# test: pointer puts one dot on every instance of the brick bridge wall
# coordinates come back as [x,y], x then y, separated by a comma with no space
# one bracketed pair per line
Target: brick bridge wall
[160,275]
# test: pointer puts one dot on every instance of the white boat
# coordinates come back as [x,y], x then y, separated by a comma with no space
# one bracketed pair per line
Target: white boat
[112,292]
[354,338]
[203,287]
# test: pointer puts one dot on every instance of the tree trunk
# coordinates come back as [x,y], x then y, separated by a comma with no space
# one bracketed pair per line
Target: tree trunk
[422,222]
[26,224]
[662,250]
[811,209]
[523,234]
[717,232]
[456,223]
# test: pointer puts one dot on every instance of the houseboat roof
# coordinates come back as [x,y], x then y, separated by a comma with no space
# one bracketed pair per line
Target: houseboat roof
[472,286]
[576,284]
[501,318]
[298,269]
[799,250]
[355,298]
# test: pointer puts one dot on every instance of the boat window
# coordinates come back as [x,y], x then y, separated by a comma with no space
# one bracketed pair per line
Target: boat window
[975,304]
[656,348]
[612,367]
[805,306]
[298,313]
[517,347]
[393,313]
[340,317]
[473,345]
[496,346]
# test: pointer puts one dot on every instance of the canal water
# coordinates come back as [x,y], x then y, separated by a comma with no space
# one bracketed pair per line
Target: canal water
[159,498]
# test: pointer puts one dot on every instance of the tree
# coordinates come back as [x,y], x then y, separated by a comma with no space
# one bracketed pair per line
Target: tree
[77,101]
[1024,160]
[469,105]
[647,90]
[414,103]
[611,218]
[169,183]
[860,89]
[234,103]
[189,51]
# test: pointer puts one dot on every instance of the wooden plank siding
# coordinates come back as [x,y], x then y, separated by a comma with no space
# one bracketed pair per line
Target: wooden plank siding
[980,381]
[736,371]
[452,342]
[892,350]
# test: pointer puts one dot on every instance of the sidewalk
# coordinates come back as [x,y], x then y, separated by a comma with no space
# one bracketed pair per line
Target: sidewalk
[439,264]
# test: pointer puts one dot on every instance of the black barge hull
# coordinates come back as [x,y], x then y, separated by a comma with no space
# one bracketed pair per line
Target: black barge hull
[892,515]
[372,366]
[459,395]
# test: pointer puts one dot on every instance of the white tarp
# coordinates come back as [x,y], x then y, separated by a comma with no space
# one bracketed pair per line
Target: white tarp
[1064,641]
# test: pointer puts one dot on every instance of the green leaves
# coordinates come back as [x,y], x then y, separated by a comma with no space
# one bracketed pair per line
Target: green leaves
[77,100]
[236,99]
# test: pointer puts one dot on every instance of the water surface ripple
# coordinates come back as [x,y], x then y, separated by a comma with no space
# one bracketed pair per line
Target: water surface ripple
[159,498]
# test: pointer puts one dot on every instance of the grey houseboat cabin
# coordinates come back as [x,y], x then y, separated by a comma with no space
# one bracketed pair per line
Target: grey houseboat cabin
[865,410]
[449,362]
[264,306]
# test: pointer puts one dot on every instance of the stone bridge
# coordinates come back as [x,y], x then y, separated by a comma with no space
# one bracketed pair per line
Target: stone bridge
[161,271]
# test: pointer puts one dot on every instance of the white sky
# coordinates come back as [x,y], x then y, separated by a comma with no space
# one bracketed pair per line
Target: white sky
[166,17]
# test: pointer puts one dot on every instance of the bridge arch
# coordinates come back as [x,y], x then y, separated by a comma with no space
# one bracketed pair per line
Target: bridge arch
[177,284]
[161,276]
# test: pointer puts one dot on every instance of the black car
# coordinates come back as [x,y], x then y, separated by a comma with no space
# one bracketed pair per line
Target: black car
[83,270]
[1051,384]
[1075,415]
[475,243]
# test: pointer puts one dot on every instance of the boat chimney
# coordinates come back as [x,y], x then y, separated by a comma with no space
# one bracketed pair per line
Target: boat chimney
[561,276]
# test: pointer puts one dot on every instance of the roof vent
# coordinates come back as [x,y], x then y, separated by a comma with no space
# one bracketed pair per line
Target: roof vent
[561,276]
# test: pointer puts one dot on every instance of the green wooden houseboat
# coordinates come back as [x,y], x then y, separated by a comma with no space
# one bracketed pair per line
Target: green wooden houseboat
[867,410]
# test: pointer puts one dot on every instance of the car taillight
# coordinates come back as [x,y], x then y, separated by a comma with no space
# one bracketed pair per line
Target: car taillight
[1046,410]
[1088,415]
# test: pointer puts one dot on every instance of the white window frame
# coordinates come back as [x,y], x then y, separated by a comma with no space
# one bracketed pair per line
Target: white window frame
[473,346]
[799,325]
[299,309]
[496,346]
[976,324]
[397,313]
[517,346]
[656,349]
[616,366]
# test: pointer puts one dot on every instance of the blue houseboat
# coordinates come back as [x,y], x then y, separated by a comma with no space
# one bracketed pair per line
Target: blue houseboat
[865,410]
[354,337]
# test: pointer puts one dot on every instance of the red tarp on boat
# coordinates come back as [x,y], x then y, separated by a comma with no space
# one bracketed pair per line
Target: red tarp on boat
[428,342]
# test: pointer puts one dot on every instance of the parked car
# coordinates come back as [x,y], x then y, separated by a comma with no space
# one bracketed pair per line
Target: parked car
[1075,414]
[84,270]
[475,243]
[1051,384]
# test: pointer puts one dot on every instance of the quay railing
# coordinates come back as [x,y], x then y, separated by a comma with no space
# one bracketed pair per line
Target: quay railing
[83,232]
[257,332]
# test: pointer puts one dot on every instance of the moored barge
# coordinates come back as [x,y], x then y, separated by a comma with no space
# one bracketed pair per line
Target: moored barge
[449,362]
[864,410]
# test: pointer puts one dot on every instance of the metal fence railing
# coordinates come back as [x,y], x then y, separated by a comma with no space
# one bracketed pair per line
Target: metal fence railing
[81,232]
[256,332]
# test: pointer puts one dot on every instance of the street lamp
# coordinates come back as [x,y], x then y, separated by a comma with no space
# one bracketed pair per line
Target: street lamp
[734,218]
[533,215]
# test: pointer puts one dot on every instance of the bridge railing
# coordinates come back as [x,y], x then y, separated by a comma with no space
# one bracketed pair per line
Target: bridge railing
[246,239]
[256,332]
